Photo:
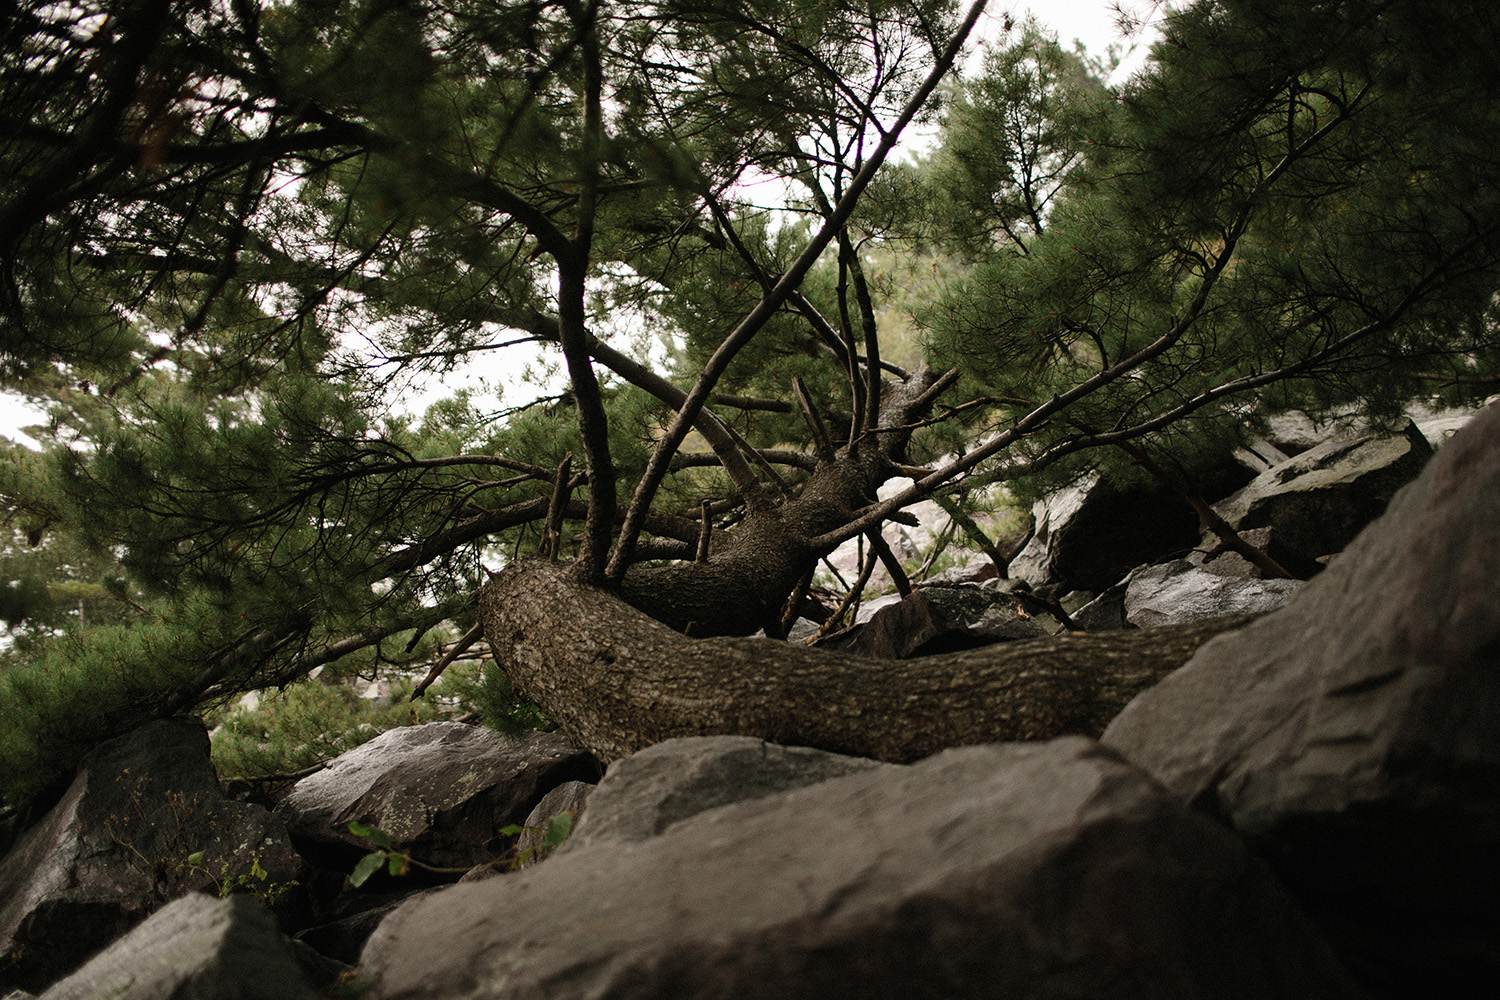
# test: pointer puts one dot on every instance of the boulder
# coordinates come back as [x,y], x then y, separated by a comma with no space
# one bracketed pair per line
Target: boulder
[644,794]
[1296,432]
[870,608]
[1106,611]
[571,797]
[1353,737]
[1020,870]
[441,790]
[119,845]
[1091,534]
[942,619]
[908,542]
[1221,559]
[1178,592]
[344,925]
[196,948]
[1321,499]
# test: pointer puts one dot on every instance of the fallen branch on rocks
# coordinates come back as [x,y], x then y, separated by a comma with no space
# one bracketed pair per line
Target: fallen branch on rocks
[617,681]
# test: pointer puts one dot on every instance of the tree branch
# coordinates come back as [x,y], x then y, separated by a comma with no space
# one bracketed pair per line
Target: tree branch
[658,465]
[617,681]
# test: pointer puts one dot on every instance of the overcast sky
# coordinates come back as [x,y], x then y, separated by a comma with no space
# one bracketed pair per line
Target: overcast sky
[1095,23]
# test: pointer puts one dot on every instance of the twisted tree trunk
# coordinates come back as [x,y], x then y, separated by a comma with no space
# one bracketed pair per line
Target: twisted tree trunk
[617,680]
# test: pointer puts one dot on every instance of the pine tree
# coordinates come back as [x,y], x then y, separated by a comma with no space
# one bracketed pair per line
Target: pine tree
[235,231]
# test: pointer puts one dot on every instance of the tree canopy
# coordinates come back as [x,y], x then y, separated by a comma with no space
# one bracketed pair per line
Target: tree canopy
[234,233]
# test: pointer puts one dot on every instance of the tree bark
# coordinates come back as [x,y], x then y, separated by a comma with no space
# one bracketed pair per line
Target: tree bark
[617,681]
[751,570]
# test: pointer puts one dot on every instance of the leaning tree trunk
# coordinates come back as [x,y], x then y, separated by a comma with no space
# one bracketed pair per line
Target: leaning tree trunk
[618,681]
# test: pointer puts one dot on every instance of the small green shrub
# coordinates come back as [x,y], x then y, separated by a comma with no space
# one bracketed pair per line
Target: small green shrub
[389,855]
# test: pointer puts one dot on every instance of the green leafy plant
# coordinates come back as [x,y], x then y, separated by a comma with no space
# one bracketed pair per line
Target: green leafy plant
[389,855]
[155,830]
[554,831]
[253,881]
[386,855]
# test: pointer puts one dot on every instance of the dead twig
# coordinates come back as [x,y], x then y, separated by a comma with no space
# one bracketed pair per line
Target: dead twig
[469,638]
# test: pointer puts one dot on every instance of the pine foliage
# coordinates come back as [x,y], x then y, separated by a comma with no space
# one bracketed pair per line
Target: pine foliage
[236,234]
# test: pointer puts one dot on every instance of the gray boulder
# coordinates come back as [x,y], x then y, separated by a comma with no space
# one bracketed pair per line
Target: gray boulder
[1178,592]
[1353,738]
[1222,559]
[1021,870]
[571,797]
[644,794]
[1293,431]
[1090,535]
[197,948]
[1321,499]
[117,847]
[442,790]
[942,619]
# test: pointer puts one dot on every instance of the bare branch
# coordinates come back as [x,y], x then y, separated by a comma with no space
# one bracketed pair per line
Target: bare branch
[459,648]
[705,532]
[552,534]
[814,422]
[714,368]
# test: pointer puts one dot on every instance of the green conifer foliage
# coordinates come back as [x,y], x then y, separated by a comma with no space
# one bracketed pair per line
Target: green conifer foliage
[1294,201]
[234,235]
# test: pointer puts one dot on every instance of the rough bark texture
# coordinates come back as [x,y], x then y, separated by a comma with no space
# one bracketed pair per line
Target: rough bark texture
[618,681]
[751,571]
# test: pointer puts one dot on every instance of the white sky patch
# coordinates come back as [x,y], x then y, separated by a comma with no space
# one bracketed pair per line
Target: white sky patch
[16,413]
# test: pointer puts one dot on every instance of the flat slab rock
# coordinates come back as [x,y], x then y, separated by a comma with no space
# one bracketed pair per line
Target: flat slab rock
[443,790]
[1176,593]
[644,794]
[1017,870]
[1353,737]
[1321,499]
[195,948]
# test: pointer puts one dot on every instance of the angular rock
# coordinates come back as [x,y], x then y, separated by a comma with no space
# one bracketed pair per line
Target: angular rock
[441,790]
[1176,593]
[196,948]
[571,797]
[1258,455]
[1221,559]
[1004,871]
[1090,535]
[1321,499]
[344,926]
[1106,612]
[645,793]
[942,619]
[1296,432]
[117,847]
[1354,736]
